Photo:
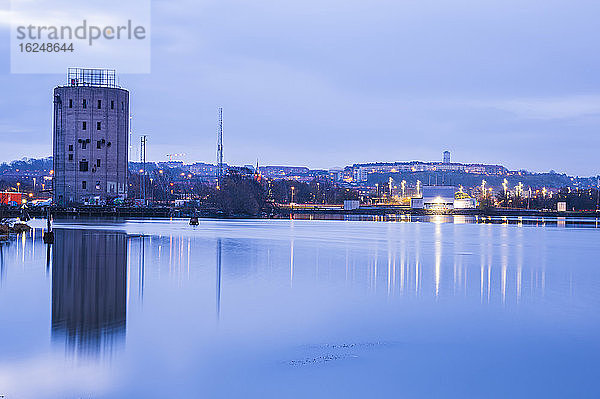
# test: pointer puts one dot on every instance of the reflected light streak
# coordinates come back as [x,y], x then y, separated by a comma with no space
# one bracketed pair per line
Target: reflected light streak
[438,258]
[503,283]
[402,255]
[481,279]
[291,262]
[188,258]
[218,288]
[389,271]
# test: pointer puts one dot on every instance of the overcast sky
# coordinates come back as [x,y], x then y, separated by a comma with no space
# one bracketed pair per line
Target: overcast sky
[326,83]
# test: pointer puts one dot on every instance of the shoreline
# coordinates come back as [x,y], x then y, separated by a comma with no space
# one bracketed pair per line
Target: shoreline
[285,213]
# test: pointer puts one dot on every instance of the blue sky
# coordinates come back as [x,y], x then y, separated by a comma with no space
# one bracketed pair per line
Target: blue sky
[328,83]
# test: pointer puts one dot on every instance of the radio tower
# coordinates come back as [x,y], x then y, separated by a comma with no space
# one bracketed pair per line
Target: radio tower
[220,148]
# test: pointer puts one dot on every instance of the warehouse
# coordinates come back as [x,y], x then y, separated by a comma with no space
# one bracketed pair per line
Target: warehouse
[438,197]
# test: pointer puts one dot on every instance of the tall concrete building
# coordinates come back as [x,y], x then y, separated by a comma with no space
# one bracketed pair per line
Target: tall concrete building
[90,138]
[446,156]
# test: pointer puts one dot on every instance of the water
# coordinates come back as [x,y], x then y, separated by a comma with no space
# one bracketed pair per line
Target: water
[280,308]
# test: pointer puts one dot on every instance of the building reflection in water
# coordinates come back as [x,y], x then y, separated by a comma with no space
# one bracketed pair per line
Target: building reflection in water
[89,290]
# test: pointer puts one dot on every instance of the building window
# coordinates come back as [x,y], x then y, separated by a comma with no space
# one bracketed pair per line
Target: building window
[70,103]
[122,106]
[97,163]
[83,166]
[84,126]
[70,157]
[84,184]
[98,144]
[84,104]
[98,125]
[99,104]
[70,147]
[112,104]
[83,145]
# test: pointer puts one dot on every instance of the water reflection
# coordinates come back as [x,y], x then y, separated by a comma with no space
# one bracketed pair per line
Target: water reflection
[2,271]
[218,289]
[533,220]
[89,290]
[451,294]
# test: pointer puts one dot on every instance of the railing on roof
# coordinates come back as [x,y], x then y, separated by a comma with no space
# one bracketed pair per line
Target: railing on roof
[95,77]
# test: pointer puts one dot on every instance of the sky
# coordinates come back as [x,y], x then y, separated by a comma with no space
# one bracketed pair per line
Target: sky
[328,83]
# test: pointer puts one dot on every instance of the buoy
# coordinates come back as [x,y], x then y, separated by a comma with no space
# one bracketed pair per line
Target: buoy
[48,237]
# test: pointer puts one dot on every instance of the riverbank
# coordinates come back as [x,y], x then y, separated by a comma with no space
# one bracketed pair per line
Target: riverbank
[289,212]
[6,229]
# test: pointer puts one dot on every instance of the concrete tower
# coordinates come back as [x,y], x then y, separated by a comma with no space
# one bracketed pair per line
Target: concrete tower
[90,138]
[446,156]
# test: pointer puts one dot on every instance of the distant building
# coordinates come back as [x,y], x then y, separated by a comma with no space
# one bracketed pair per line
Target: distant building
[450,167]
[172,164]
[336,174]
[90,138]
[485,169]
[416,203]
[243,171]
[350,205]
[438,197]
[464,201]
[205,170]
[361,172]
[284,172]
[11,198]
[446,157]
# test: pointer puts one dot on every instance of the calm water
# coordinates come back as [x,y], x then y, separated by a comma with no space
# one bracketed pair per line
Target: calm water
[300,308]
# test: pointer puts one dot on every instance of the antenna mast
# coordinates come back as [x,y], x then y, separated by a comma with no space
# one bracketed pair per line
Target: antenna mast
[143,141]
[220,149]
[130,138]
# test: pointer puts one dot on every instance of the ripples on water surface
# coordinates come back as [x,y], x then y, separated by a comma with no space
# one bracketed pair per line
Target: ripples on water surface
[280,308]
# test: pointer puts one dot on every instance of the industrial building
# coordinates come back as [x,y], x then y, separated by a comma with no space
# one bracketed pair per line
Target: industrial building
[464,201]
[11,198]
[438,197]
[442,198]
[90,138]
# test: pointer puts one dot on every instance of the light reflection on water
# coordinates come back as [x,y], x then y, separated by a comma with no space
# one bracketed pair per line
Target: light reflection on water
[148,305]
[532,220]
